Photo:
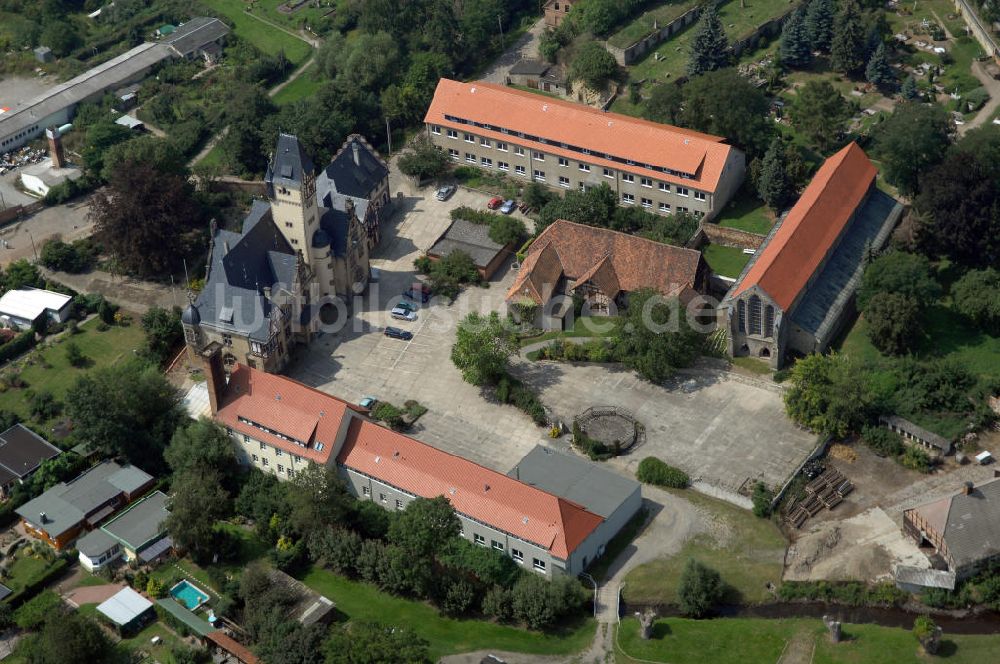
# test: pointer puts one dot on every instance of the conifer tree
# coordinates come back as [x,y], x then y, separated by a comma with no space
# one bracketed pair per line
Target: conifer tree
[819,24]
[795,50]
[909,89]
[847,51]
[878,72]
[773,185]
[710,46]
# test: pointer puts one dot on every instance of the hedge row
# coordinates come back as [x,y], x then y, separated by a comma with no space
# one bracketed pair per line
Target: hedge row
[37,582]
[851,593]
[653,471]
[474,216]
[17,346]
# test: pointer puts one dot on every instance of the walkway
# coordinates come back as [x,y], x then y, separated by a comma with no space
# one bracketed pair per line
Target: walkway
[526,47]
[986,112]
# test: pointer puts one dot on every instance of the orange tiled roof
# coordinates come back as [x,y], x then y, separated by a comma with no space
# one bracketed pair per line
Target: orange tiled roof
[812,226]
[232,646]
[615,261]
[528,513]
[558,121]
[288,407]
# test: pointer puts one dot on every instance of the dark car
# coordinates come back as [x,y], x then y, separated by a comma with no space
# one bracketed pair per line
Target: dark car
[418,292]
[397,333]
[445,192]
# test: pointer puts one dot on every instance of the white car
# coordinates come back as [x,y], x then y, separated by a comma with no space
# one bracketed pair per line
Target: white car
[400,313]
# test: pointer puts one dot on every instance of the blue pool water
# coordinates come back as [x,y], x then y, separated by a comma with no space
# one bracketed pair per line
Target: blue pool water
[188,595]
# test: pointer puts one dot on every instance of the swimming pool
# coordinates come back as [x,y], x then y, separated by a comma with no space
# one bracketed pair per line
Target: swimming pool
[189,595]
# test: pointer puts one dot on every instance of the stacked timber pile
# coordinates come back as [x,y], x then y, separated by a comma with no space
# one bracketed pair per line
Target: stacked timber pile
[827,490]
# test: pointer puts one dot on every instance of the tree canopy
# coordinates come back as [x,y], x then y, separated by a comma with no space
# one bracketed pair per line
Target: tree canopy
[910,142]
[69,638]
[796,47]
[654,337]
[723,103]
[423,159]
[593,65]
[197,502]
[374,643]
[901,273]
[709,46]
[483,347]
[847,48]
[774,185]
[699,590]
[424,527]
[203,445]
[830,394]
[893,322]
[819,111]
[977,295]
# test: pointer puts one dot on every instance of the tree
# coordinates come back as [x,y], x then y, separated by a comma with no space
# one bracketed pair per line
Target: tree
[665,103]
[819,112]
[723,103]
[483,348]
[498,604]
[316,497]
[144,217]
[75,356]
[958,211]
[163,332]
[878,72]
[709,45]
[244,145]
[423,160]
[830,394]
[127,409]
[977,295]
[203,445]
[773,185]
[539,603]
[424,527]
[101,136]
[699,590]
[819,24]
[21,273]
[795,47]
[902,273]
[847,49]
[69,639]
[61,36]
[160,153]
[909,88]
[653,337]
[910,142]
[593,65]
[374,643]
[893,322]
[73,258]
[197,502]
[762,498]
[505,230]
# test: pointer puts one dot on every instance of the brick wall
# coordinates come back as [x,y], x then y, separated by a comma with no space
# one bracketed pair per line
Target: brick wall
[731,237]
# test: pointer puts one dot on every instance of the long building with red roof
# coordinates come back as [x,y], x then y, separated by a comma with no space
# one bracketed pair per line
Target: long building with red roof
[564,145]
[797,292]
[281,427]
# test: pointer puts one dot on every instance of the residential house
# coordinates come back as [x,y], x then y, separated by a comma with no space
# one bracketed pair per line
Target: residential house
[201,37]
[22,451]
[357,173]
[139,533]
[69,509]
[601,266]
[538,75]
[797,292]
[474,240]
[565,145]
[555,11]
[22,307]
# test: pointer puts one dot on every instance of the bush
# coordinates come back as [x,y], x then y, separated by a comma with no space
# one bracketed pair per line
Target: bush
[391,415]
[850,593]
[17,346]
[654,471]
[700,589]
[459,599]
[595,449]
[74,258]
[498,604]
[156,588]
[74,355]
[762,497]
[915,458]
[882,441]
[33,613]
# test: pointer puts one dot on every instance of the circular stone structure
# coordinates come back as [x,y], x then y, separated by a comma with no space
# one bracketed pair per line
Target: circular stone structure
[609,424]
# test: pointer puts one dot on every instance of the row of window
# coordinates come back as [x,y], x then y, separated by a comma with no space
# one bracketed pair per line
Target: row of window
[516,554]
[263,461]
[469,138]
[19,135]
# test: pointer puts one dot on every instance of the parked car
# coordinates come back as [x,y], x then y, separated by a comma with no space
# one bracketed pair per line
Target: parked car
[400,313]
[445,192]
[508,206]
[368,402]
[403,304]
[397,333]
[494,203]
[418,293]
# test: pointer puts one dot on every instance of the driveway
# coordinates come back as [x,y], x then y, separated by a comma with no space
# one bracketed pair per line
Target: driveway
[26,237]
[524,48]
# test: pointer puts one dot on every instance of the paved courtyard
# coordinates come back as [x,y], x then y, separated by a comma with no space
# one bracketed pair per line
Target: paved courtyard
[720,429]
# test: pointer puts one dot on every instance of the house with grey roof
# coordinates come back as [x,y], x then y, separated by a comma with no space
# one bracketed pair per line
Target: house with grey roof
[357,172]
[138,533]
[613,497]
[202,36]
[963,529]
[474,240]
[22,451]
[68,509]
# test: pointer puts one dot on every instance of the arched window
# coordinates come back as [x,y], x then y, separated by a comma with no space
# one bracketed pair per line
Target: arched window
[741,316]
[769,321]
[765,352]
[754,314]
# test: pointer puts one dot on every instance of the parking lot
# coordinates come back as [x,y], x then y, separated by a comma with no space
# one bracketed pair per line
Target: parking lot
[719,429]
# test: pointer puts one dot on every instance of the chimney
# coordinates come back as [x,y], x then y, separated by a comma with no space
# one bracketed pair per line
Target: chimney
[215,375]
[55,147]
[357,153]
[43,517]
[349,207]
[267,293]
[967,488]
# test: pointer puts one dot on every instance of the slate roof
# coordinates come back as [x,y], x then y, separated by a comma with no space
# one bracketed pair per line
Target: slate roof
[584,482]
[196,33]
[529,68]
[95,543]
[473,239]
[612,259]
[289,163]
[21,452]
[141,523]
[231,645]
[971,523]
[787,261]
[240,267]
[356,169]
[651,146]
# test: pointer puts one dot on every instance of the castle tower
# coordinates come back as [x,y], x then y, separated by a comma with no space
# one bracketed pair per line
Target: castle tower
[291,189]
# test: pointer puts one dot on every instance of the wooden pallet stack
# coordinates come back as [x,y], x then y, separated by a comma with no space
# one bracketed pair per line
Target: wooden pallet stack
[827,490]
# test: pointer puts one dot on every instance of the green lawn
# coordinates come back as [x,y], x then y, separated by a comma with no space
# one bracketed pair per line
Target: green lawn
[747,213]
[752,365]
[46,369]
[26,565]
[306,85]
[265,37]
[748,554]
[643,24]
[361,601]
[159,652]
[747,640]
[725,261]
[583,326]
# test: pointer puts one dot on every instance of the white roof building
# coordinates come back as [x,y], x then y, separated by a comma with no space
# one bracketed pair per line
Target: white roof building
[24,306]
[125,606]
[41,177]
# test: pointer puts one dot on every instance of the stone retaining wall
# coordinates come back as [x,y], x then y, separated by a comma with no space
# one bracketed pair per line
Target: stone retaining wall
[731,237]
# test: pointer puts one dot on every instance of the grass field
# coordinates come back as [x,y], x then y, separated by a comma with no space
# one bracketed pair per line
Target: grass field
[302,87]
[160,652]
[48,369]
[752,364]
[26,565]
[643,25]
[745,640]
[747,213]
[583,326]
[265,37]
[725,261]
[361,601]
[747,552]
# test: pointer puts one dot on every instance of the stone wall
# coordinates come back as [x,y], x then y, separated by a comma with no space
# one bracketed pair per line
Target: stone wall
[15,212]
[980,31]
[731,237]
[629,54]
[771,30]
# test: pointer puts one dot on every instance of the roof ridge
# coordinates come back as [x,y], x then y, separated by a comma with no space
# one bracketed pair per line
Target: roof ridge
[635,238]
